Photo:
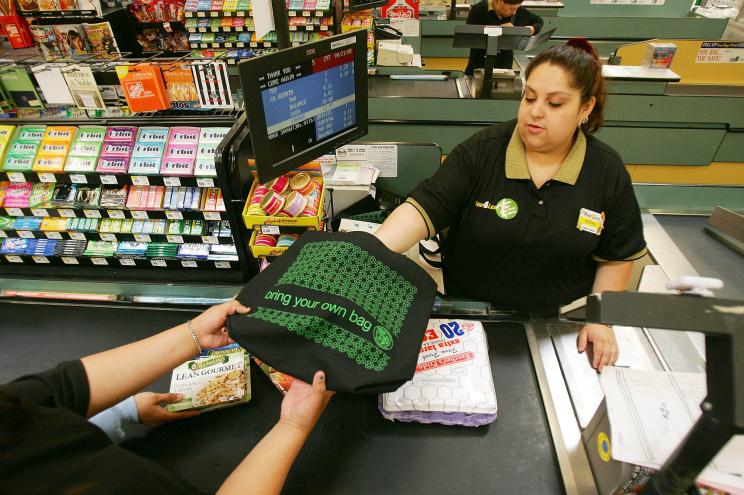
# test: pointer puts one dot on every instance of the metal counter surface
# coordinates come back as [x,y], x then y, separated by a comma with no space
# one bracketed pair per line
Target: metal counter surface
[706,254]
[386,87]
[352,449]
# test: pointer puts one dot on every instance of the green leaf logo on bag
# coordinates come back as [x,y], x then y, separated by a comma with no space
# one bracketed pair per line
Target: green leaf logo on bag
[383,338]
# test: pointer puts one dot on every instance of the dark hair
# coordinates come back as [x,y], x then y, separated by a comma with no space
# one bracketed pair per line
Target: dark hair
[579,58]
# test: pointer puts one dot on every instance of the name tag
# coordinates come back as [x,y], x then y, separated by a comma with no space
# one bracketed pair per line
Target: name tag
[590,221]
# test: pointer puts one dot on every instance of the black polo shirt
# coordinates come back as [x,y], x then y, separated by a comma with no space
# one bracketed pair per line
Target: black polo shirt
[62,452]
[482,14]
[520,247]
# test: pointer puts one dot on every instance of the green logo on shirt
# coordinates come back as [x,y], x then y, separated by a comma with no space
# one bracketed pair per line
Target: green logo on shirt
[507,208]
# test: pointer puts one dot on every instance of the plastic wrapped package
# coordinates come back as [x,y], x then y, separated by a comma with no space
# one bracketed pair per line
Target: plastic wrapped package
[453,384]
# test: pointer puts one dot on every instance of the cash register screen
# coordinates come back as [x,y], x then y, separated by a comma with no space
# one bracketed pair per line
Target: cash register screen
[306,101]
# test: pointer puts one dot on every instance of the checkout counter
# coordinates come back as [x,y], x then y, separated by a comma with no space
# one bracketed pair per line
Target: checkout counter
[538,444]
[535,446]
[543,441]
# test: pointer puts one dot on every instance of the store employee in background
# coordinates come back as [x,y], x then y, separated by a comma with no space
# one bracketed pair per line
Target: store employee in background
[540,213]
[499,13]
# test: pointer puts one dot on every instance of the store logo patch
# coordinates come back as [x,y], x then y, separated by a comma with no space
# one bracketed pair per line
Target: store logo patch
[506,208]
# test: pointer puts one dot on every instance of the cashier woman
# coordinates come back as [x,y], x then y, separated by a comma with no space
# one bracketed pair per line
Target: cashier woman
[540,212]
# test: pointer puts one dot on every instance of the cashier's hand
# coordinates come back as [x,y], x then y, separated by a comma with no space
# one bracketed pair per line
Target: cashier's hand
[210,325]
[304,403]
[151,408]
[602,340]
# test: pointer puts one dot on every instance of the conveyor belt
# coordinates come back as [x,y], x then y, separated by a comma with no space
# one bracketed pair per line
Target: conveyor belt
[383,86]
[708,256]
[352,450]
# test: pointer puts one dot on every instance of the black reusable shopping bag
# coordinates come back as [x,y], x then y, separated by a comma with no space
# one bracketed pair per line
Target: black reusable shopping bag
[342,303]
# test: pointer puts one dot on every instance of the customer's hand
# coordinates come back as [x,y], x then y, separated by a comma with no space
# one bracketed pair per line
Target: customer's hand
[210,325]
[304,403]
[604,345]
[151,408]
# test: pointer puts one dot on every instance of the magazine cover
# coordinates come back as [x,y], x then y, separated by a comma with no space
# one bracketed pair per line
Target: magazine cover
[52,5]
[68,5]
[28,5]
[101,40]
[216,378]
[45,38]
[90,5]
[71,39]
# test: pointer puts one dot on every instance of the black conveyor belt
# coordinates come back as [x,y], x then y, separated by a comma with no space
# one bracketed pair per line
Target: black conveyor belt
[352,450]
[709,256]
[383,86]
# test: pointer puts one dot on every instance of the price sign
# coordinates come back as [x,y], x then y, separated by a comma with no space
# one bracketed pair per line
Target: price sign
[16,177]
[140,180]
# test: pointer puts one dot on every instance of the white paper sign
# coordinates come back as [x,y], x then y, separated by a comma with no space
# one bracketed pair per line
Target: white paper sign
[263,17]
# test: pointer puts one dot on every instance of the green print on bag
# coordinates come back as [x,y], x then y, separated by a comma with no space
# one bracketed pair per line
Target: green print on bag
[357,276]
[328,335]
